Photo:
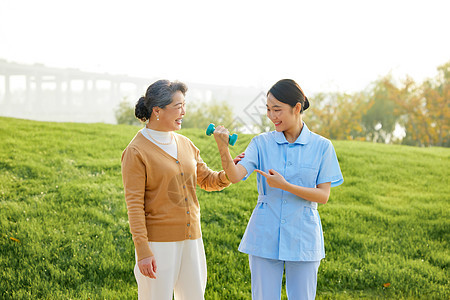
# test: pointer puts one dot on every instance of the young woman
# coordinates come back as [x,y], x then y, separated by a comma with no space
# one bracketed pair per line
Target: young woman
[160,171]
[296,169]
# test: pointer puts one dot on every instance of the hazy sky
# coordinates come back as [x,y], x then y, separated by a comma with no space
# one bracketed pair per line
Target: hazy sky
[324,45]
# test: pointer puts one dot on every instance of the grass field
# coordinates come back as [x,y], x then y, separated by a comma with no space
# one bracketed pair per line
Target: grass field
[64,231]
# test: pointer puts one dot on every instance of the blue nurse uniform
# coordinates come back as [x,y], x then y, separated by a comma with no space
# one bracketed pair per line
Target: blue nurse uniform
[284,226]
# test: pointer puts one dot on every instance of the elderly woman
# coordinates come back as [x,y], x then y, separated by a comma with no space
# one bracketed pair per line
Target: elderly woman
[160,171]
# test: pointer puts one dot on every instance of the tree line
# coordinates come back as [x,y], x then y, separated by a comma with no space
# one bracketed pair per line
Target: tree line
[387,111]
[419,112]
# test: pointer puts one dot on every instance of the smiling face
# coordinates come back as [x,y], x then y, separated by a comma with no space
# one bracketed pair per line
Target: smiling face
[171,116]
[282,115]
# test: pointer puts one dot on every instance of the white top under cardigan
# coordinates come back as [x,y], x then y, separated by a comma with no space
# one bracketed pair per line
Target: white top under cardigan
[162,137]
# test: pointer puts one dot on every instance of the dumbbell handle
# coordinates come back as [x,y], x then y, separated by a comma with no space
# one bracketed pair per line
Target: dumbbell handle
[231,138]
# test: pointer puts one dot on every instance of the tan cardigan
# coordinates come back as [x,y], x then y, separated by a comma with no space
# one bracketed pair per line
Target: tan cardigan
[160,191]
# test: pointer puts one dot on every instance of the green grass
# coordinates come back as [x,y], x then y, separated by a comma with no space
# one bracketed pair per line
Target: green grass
[61,197]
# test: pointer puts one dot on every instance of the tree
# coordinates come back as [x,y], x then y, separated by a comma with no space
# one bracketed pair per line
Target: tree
[437,106]
[266,125]
[424,110]
[202,114]
[380,119]
[336,115]
[125,114]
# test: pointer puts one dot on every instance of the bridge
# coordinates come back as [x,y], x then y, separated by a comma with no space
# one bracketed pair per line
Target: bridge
[38,92]
[35,91]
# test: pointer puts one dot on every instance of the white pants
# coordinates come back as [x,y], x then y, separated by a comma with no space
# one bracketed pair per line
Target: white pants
[267,276]
[180,270]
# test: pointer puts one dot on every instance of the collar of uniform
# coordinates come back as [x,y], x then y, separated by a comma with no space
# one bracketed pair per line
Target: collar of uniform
[302,139]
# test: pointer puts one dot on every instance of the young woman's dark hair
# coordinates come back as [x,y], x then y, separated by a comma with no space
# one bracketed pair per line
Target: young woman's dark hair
[289,92]
[159,94]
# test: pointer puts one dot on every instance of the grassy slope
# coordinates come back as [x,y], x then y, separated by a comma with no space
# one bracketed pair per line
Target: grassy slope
[61,196]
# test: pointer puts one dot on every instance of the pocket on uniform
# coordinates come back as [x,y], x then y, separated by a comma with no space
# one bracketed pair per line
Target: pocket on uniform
[260,209]
[311,232]
[256,228]
[310,214]
[308,176]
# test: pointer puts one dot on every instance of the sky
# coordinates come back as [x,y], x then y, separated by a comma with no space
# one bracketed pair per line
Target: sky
[324,45]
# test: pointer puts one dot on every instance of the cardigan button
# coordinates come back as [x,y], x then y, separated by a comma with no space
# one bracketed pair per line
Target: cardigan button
[177,162]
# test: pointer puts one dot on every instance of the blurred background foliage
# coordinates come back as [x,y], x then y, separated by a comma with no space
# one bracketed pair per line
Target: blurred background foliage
[388,111]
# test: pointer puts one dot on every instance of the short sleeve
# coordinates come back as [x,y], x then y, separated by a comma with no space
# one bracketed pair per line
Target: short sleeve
[329,170]
[251,159]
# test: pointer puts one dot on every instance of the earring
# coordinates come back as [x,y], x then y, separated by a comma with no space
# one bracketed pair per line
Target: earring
[157,118]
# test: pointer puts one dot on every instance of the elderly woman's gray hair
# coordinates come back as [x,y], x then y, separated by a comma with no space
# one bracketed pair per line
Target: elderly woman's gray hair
[159,94]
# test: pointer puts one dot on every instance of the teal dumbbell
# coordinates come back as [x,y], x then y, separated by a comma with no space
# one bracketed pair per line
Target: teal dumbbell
[231,139]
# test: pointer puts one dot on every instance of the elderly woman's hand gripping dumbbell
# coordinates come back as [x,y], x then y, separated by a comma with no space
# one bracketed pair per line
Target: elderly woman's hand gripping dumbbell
[223,133]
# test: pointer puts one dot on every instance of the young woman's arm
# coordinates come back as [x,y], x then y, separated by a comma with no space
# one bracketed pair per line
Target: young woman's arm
[319,194]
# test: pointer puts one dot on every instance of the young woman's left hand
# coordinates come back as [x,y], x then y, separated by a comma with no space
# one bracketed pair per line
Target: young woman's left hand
[239,158]
[274,179]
